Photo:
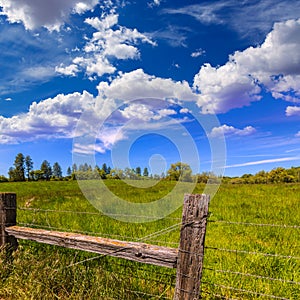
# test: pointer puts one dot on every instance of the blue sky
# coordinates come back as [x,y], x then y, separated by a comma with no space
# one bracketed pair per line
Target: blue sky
[149,83]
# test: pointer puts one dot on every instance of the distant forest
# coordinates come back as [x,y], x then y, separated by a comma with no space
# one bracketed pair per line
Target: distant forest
[22,170]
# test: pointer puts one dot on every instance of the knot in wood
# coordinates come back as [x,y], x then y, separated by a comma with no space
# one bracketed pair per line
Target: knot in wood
[138,254]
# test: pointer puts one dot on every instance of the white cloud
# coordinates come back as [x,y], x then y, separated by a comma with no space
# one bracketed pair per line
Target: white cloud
[58,117]
[146,112]
[29,59]
[38,72]
[55,117]
[105,139]
[275,64]
[292,111]
[43,13]
[137,84]
[108,22]
[110,41]
[205,13]
[226,130]
[265,161]
[87,148]
[165,112]
[8,99]
[175,36]
[184,111]
[70,70]
[197,53]
[224,88]
[246,17]
[155,3]
[298,134]
[139,111]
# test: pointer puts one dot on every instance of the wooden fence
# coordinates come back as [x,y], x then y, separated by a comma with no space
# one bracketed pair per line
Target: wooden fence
[187,259]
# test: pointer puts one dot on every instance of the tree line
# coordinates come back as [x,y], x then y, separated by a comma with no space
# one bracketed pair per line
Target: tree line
[23,170]
[277,175]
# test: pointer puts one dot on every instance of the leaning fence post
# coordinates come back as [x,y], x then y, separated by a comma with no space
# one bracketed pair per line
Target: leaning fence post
[191,247]
[8,213]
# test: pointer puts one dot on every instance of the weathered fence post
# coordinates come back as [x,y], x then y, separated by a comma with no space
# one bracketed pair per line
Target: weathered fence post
[8,213]
[191,247]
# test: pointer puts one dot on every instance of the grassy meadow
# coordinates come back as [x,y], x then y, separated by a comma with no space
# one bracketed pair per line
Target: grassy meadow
[267,261]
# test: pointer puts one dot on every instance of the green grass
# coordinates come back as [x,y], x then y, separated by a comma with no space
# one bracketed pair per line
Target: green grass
[46,272]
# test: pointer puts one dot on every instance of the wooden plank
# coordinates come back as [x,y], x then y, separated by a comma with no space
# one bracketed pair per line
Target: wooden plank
[139,252]
[191,248]
[8,209]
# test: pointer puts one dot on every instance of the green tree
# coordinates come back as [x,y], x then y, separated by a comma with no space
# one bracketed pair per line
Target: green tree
[108,170]
[102,173]
[3,178]
[36,175]
[203,177]
[138,171]
[18,173]
[261,177]
[69,171]
[74,168]
[57,171]
[180,171]
[105,169]
[130,173]
[145,172]
[28,166]
[277,175]
[12,174]
[116,174]
[46,170]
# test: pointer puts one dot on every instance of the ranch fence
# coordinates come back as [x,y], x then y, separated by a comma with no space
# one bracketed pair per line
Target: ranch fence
[187,259]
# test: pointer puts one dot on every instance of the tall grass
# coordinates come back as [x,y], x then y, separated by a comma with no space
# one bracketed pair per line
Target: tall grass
[47,272]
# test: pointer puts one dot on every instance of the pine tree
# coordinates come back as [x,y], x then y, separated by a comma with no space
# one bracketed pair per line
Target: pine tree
[69,171]
[19,168]
[145,172]
[138,171]
[29,166]
[57,172]
[46,170]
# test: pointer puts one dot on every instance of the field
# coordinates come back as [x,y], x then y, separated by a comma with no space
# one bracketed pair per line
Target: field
[242,260]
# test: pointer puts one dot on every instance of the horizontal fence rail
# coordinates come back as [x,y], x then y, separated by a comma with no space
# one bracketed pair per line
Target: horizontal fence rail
[134,251]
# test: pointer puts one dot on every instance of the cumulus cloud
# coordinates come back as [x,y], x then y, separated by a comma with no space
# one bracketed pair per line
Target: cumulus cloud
[137,84]
[292,111]
[55,117]
[43,13]
[109,41]
[226,130]
[70,70]
[145,112]
[224,88]
[275,65]
[58,117]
